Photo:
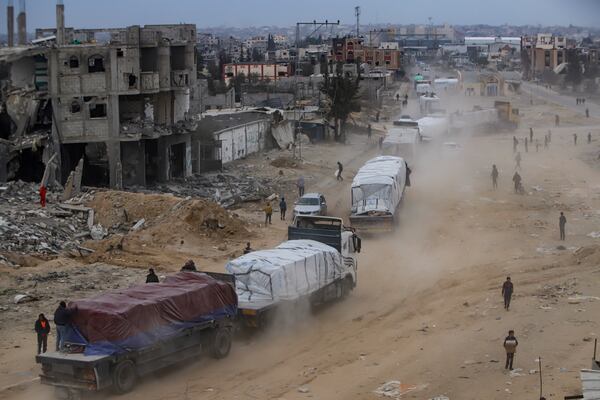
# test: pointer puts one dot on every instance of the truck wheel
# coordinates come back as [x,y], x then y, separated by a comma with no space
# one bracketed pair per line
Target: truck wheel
[124,376]
[220,343]
[346,287]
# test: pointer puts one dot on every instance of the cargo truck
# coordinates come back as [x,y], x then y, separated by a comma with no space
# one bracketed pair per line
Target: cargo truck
[316,265]
[119,336]
[377,190]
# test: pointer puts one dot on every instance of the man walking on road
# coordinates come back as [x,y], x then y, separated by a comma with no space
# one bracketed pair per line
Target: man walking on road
[517,182]
[575,139]
[589,137]
[369,133]
[282,208]
[339,171]
[587,112]
[531,135]
[42,328]
[518,160]
[556,120]
[494,177]
[546,141]
[515,144]
[300,184]
[507,291]
[562,222]
[268,213]
[510,345]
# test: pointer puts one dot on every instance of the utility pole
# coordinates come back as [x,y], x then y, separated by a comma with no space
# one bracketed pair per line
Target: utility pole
[357,13]
[317,26]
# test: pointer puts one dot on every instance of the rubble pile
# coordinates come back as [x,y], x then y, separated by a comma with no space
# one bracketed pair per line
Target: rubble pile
[25,227]
[228,189]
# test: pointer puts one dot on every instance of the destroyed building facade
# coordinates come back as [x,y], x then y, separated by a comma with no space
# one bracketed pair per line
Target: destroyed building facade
[123,106]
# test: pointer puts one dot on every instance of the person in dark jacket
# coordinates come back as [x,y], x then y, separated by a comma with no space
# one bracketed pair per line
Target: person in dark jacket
[189,266]
[494,177]
[248,249]
[282,208]
[152,277]
[408,172]
[562,222]
[339,171]
[507,291]
[42,328]
[62,318]
[510,345]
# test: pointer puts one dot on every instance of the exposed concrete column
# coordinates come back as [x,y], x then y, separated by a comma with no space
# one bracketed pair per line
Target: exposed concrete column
[164,67]
[113,146]
[10,23]
[22,24]
[190,63]
[115,168]
[60,23]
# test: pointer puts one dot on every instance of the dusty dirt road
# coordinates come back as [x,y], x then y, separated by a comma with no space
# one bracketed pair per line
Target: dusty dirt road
[427,310]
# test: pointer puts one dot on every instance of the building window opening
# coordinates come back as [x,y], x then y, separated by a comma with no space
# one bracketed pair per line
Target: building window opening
[120,53]
[98,110]
[73,62]
[96,64]
[132,81]
[75,107]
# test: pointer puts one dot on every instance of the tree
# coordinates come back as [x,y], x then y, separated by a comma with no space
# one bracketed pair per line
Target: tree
[256,56]
[342,100]
[271,43]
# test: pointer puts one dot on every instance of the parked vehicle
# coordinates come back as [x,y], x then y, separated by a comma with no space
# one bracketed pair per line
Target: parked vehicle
[377,190]
[316,265]
[121,335]
[311,204]
[402,142]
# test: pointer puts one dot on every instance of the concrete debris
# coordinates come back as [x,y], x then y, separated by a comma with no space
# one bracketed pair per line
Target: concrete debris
[98,232]
[227,189]
[138,225]
[27,228]
[440,398]
[303,389]
[516,372]
[394,389]
[595,235]
[24,298]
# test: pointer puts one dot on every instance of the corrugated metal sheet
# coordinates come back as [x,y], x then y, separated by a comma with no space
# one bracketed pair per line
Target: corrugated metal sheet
[590,384]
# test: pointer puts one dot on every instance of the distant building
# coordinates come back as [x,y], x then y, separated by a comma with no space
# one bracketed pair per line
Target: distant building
[262,71]
[350,50]
[543,52]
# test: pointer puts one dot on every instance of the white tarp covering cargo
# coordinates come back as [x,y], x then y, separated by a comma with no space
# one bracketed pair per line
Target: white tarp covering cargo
[433,126]
[402,142]
[477,118]
[378,186]
[291,270]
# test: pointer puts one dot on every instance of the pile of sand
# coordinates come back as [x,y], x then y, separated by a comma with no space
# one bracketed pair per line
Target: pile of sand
[166,215]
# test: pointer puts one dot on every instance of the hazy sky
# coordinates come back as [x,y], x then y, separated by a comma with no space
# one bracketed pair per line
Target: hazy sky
[115,13]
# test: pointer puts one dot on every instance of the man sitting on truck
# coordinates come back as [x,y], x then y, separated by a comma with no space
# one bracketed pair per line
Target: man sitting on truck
[151,277]
[189,266]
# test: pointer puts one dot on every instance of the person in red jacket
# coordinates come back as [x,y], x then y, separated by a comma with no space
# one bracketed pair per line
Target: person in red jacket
[43,192]
[42,328]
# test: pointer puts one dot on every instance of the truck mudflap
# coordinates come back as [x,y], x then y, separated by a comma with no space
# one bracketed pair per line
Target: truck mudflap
[372,224]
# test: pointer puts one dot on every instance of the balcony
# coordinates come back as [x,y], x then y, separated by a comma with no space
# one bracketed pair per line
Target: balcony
[180,79]
[149,82]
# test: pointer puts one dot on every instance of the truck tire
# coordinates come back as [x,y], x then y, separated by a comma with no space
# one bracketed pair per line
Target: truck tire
[124,376]
[220,343]
[346,286]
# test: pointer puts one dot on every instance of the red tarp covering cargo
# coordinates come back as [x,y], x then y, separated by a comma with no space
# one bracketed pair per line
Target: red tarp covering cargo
[140,315]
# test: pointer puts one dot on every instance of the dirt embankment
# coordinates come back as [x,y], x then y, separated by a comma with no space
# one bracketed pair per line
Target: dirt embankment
[172,230]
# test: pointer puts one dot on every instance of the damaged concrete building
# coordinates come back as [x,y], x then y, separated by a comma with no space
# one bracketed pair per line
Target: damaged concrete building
[123,106]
